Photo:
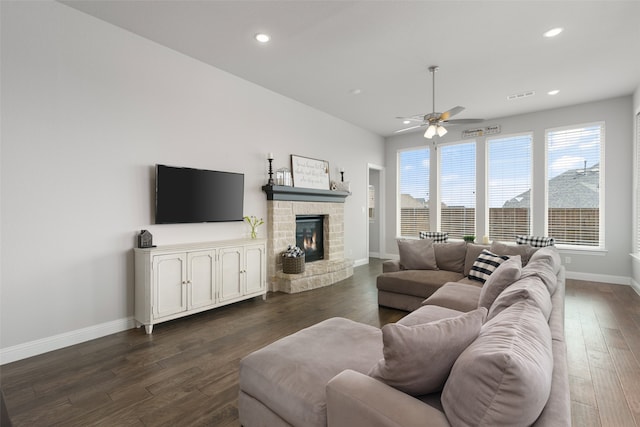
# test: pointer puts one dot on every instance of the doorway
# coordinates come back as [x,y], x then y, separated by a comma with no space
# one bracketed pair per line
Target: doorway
[375,215]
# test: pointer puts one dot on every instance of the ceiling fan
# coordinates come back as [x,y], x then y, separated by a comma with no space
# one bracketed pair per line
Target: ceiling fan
[434,121]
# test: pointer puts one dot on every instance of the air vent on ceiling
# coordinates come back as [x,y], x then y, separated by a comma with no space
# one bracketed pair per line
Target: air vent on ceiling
[521,95]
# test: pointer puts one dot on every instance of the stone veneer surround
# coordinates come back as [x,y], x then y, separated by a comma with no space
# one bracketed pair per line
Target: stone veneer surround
[281,232]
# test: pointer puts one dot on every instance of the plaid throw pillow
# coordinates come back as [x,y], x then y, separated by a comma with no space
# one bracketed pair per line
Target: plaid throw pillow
[486,263]
[436,236]
[535,241]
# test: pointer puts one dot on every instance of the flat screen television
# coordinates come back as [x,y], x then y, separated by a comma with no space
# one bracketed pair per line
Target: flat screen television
[185,195]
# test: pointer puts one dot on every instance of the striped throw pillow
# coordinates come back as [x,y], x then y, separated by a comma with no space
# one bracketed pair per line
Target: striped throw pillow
[486,263]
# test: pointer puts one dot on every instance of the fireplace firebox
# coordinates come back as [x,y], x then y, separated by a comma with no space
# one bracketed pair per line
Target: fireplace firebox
[310,236]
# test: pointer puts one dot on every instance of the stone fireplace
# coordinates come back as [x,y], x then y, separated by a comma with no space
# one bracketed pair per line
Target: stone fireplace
[320,205]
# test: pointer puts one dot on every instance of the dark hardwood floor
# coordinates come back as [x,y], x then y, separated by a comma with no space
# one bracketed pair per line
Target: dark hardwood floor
[186,372]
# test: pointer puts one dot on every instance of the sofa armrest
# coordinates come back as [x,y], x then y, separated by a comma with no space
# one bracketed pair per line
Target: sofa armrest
[391,265]
[354,399]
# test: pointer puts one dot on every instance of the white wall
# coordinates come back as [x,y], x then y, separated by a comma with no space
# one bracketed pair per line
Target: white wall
[614,264]
[87,110]
[635,259]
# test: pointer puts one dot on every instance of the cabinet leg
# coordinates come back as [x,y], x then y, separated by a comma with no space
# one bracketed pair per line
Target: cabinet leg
[264,297]
[148,329]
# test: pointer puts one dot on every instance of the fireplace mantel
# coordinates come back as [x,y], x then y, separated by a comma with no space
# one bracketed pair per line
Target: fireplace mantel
[298,194]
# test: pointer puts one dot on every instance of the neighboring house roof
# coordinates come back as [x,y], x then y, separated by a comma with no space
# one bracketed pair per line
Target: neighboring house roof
[576,188]
[406,201]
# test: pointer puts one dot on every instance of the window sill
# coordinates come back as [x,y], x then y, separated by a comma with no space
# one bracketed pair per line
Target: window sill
[582,250]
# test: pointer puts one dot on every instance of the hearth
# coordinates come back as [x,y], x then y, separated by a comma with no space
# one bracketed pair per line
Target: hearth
[310,236]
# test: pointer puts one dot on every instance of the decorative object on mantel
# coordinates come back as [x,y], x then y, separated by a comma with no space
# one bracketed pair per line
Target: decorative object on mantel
[145,239]
[270,158]
[343,186]
[293,260]
[342,174]
[310,173]
[254,222]
[283,177]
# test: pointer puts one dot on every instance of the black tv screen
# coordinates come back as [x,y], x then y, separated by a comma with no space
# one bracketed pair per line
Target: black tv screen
[196,195]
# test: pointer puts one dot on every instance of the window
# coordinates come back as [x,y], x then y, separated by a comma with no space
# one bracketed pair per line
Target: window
[637,176]
[574,184]
[458,189]
[509,186]
[413,171]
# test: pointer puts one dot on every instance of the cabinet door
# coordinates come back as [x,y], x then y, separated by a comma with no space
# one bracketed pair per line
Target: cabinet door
[254,275]
[169,284]
[230,283]
[201,275]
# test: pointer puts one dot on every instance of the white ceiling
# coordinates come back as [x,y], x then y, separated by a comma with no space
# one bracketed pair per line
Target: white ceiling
[322,50]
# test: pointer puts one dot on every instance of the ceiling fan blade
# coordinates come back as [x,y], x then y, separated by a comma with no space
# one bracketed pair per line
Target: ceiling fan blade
[412,118]
[463,121]
[409,128]
[451,112]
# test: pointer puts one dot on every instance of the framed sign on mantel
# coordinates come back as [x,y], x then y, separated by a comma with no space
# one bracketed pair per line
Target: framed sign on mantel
[310,173]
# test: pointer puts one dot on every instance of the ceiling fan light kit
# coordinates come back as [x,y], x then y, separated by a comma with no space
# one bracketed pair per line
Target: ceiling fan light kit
[434,121]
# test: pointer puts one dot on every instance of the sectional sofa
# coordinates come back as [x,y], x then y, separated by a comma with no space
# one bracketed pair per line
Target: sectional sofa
[469,353]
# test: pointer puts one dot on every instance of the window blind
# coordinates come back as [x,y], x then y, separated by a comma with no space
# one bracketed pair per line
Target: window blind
[509,186]
[413,176]
[458,189]
[574,184]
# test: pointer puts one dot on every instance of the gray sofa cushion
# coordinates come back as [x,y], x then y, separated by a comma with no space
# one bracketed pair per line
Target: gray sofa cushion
[525,251]
[428,313]
[551,254]
[543,269]
[505,275]
[419,283]
[527,289]
[456,296]
[417,254]
[450,256]
[417,359]
[504,377]
[289,376]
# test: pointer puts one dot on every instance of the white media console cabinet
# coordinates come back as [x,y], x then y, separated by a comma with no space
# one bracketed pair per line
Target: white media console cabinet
[178,280]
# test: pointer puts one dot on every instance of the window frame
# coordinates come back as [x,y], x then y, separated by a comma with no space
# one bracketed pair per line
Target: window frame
[601,183]
[399,152]
[439,181]
[532,186]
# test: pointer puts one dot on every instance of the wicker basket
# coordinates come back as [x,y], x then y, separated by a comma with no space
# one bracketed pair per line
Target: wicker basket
[293,265]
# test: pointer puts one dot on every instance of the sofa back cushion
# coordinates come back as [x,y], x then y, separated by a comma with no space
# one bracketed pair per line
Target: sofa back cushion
[504,377]
[473,251]
[417,359]
[551,255]
[542,269]
[417,254]
[525,251]
[526,289]
[506,274]
[450,256]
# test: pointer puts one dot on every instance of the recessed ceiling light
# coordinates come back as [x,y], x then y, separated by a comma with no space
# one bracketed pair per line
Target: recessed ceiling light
[553,32]
[355,91]
[553,92]
[262,38]
[406,122]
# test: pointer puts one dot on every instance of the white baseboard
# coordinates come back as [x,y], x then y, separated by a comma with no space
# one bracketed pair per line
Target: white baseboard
[359,262]
[602,278]
[636,286]
[374,254]
[44,345]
